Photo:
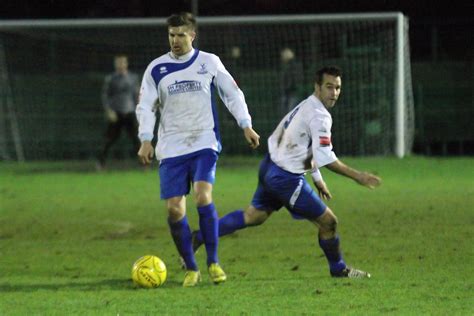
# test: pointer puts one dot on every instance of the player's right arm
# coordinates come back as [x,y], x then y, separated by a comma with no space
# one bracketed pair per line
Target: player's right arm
[145,153]
[146,117]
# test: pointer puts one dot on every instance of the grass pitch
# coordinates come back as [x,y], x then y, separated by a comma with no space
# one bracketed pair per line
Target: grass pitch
[69,236]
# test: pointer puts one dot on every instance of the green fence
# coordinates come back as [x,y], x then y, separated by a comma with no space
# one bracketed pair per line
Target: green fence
[444,104]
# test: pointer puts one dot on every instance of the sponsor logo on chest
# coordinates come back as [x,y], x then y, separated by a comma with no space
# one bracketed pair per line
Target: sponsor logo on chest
[184,87]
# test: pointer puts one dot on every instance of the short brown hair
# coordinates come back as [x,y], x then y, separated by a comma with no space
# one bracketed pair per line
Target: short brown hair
[329,70]
[182,19]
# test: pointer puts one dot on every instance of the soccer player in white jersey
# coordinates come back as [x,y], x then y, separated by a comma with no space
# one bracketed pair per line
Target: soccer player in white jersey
[180,84]
[302,143]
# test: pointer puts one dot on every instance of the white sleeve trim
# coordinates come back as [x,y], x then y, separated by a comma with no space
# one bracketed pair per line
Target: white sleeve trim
[316,175]
[145,137]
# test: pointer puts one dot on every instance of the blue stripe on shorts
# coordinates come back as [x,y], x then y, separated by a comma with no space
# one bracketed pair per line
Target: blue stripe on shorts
[177,173]
[278,187]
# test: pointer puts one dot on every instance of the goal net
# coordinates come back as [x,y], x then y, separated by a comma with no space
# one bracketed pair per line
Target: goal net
[52,75]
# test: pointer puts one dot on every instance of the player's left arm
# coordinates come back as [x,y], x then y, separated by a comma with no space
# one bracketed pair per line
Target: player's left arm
[320,128]
[363,178]
[234,100]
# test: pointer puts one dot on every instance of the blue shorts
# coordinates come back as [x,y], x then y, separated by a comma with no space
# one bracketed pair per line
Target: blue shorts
[278,188]
[177,173]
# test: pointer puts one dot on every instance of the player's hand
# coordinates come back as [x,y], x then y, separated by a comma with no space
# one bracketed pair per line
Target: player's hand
[111,115]
[323,190]
[146,153]
[252,137]
[368,180]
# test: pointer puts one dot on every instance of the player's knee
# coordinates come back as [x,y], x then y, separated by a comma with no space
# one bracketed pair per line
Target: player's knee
[202,193]
[254,217]
[328,221]
[203,198]
[175,212]
[332,224]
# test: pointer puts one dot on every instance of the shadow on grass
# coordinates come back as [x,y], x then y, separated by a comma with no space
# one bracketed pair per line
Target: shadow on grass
[108,284]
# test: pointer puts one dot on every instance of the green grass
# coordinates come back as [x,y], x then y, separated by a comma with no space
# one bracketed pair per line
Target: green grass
[69,236]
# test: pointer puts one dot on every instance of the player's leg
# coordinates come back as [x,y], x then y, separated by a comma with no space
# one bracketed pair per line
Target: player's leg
[180,230]
[208,224]
[203,172]
[181,233]
[304,203]
[234,221]
[330,244]
[328,240]
[257,213]
[174,185]
[208,219]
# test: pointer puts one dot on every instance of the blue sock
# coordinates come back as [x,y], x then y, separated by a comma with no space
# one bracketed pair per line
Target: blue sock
[227,224]
[181,234]
[208,224]
[333,253]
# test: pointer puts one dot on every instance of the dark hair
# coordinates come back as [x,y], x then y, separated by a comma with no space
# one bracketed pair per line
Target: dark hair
[329,70]
[182,18]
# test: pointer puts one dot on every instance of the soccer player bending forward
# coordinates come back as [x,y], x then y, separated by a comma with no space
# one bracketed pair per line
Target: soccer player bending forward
[302,143]
[181,84]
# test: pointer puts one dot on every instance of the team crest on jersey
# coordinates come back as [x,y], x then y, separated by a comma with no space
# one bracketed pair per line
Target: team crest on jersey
[163,70]
[184,86]
[202,70]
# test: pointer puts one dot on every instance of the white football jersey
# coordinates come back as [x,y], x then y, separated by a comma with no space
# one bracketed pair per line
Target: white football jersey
[302,140]
[182,89]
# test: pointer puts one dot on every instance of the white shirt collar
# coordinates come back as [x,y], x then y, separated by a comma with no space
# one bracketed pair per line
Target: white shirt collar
[184,57]
[314,99]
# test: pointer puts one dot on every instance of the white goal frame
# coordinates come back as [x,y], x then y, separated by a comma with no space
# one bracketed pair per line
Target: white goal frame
[401,21]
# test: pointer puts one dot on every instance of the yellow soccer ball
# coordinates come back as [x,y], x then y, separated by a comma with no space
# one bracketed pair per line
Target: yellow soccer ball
[149,272]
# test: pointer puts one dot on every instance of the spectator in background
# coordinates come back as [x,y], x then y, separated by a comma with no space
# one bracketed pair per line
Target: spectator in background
[119,98]
[291,77]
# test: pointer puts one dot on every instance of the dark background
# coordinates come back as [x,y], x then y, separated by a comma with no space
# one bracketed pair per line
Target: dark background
[438,29]
[440,32]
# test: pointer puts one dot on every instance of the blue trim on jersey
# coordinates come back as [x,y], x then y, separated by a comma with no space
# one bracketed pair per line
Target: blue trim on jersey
[158,72]
[215,118]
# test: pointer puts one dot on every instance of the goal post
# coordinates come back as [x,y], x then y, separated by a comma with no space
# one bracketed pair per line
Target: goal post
[9,123]
[404,103]
[55,70]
